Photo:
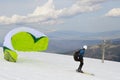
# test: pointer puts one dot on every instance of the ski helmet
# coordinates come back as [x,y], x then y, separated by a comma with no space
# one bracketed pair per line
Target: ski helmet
[85,46]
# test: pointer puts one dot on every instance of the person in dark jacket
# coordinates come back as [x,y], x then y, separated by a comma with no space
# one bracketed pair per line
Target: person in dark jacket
[80,57]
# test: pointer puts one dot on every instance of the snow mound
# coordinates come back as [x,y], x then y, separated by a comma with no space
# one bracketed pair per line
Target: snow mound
[49,66]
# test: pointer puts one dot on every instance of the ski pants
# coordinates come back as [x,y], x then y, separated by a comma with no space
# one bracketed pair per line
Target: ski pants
[81,63]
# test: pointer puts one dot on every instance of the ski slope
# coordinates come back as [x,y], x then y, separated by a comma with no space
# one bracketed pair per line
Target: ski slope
[49,66]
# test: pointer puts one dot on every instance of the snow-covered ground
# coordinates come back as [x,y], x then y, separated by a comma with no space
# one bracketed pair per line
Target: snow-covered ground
[49,66]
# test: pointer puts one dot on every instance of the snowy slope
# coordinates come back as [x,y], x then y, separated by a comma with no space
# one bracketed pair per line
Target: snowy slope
[48,66]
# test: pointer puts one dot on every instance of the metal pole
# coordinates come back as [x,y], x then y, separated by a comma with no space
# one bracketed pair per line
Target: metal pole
[103,51]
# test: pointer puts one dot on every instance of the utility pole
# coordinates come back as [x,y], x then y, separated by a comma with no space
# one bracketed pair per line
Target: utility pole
[103,51]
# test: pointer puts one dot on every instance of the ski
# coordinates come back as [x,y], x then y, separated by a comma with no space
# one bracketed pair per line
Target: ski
[86,73]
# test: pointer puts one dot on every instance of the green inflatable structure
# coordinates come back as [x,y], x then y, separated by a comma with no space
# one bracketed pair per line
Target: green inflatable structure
[23,39]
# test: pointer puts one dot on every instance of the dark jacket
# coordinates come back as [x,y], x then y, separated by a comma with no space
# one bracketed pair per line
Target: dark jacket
[82,52]
[78,55]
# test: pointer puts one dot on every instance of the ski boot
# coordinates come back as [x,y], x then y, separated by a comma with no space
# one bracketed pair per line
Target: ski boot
[78,70]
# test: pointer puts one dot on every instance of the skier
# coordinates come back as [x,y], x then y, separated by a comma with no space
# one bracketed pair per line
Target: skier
[80,58]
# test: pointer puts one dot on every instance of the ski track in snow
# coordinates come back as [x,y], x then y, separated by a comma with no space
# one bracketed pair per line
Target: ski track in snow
[49,66]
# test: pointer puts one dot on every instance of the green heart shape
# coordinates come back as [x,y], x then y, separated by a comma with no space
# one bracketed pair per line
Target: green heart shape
[24,41]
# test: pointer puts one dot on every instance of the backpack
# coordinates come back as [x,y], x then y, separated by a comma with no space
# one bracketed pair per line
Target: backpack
[76,55]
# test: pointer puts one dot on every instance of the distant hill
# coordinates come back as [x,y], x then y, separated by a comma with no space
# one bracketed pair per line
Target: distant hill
[111,53]
[63,41]
[0,44]
[68,47]
[74,35]
[65,46]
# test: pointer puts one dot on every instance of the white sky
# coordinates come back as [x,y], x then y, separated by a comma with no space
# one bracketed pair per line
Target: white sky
[76,15]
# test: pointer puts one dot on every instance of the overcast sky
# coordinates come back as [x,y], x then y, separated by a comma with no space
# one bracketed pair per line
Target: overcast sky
[50,15]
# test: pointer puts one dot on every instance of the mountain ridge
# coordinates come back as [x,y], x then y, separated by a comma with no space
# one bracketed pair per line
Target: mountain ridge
[84,35]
